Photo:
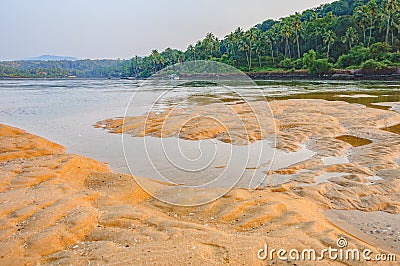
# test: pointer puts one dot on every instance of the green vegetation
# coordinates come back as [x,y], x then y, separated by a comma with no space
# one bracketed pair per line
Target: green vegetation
[372,64]
[354,34]
[80,68]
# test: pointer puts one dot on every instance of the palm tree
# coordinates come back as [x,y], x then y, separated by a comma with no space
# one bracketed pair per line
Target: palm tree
[286,33]
[192,50]
[243,47]
[275,33]
[211,44]
[391,7]
[200,50]
[133,66]
[313,29]
[270,38]
[395,24]
[259,45]
[362,18]
[157,59]
[181,57]
[232,40]
[372,8]
[297,26]
[238,33]
[351,37]
[248,42]
[329,39]
[230,43]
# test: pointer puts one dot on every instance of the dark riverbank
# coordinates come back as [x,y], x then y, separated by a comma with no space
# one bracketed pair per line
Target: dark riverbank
[357,75]
[336,75]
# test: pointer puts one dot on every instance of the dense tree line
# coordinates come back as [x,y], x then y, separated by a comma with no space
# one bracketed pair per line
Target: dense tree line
[343,34]
[64,68]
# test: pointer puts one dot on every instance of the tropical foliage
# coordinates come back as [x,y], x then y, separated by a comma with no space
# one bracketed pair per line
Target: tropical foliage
[343,34]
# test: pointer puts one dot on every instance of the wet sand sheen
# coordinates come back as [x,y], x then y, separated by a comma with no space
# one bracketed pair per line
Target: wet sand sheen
[378,228]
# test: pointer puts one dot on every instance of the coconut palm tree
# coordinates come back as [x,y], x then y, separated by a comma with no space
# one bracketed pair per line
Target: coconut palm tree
[230,44]
[395,24]
[157,59]
[372,8]
[135,66]
[329,39]
[351,37]
[270,39]
[211,44]
[313,30]
[362,18]
[297,26]
[260,45]
[200,51]
[249,40]
[192,51]
[275,33]
[243,47]
[238,33]
[286,33]
[391,7]
[231,41]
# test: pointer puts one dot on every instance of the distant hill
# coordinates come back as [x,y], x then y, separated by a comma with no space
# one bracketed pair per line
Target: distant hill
[50,58]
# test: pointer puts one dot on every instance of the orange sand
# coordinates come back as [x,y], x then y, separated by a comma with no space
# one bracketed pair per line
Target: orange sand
[59,208]
[315,122]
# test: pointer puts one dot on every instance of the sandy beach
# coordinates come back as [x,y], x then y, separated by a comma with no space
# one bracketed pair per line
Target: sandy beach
[59,208]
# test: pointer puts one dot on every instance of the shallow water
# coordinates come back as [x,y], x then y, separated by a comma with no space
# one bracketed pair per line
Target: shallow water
[323,178]
[335,160]
[209,162]
[380,229]
[65,110]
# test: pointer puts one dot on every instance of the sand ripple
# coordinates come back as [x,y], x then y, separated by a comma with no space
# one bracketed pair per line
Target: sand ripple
[59,208]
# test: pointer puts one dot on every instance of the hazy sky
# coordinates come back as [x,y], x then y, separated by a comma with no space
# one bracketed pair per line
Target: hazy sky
[124,28]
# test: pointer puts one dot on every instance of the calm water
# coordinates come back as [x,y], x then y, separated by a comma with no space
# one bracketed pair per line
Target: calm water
[65,110]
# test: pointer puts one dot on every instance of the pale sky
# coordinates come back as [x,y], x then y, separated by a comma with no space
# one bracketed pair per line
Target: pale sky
[124,28]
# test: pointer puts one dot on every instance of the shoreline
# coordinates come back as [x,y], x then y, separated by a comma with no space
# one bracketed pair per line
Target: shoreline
[339,75]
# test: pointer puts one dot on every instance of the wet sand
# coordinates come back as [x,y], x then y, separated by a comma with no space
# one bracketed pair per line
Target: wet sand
[59,208]
[355,165]
[380,228]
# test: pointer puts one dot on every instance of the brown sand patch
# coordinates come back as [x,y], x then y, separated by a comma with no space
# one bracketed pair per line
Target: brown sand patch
[354,141]
[394,129]
[58,208]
